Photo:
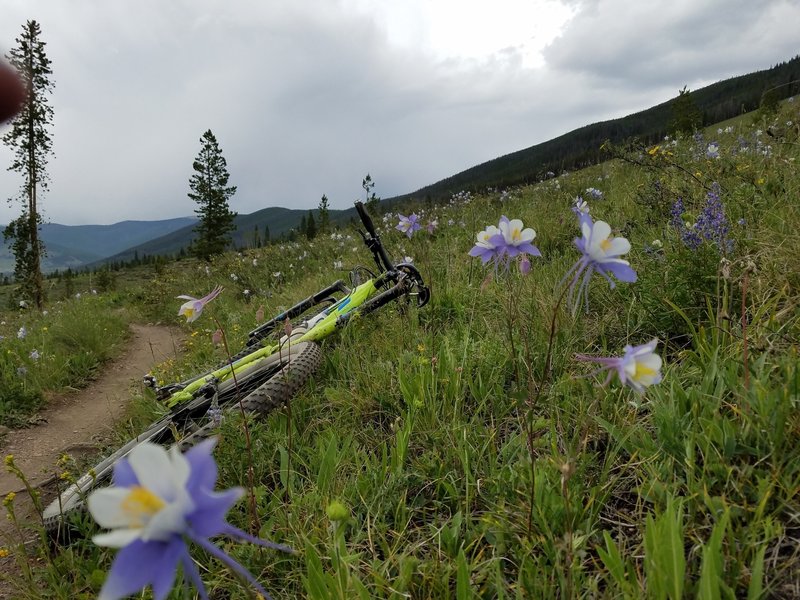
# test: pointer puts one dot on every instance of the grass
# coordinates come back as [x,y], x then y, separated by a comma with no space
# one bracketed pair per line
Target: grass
[418,421]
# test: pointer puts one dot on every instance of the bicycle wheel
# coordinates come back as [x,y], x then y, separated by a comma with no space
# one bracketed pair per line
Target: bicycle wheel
[267,384]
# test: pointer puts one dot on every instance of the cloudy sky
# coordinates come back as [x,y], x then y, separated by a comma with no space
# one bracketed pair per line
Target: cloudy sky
[308,96]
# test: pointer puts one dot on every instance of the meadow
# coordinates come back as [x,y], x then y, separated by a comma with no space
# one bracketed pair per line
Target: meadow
[465,450]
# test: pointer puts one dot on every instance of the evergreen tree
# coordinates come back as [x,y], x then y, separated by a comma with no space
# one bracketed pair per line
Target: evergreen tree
[686,117]
[32,145]
[266,234]
[371,201]
[311,226]
[302,228]
[209,188]
[324,215]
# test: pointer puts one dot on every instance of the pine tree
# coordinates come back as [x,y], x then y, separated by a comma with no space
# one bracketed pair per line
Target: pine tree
[32,145]
[371,201]
[209,188]
[686,117]
[311,226]
[324,215]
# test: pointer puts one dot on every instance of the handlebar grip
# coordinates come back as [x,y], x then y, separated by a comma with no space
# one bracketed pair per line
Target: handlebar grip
[365,219]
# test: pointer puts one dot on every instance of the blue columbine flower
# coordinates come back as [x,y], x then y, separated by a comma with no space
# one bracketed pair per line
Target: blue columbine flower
[159,502]
[639,367]
[508,240]
[194,307]
[485,247]
[409,224]
[600,253]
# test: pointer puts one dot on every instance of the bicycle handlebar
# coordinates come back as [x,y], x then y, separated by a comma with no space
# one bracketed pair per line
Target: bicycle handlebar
[373,242]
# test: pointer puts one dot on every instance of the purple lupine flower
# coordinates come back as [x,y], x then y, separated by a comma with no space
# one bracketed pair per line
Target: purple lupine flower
[639,367]
[712,224]
[600,253]
[688,235]
[192,309]
[409,224]
[159,502]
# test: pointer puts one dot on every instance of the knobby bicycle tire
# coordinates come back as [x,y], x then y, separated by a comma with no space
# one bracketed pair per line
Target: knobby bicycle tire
[288,370]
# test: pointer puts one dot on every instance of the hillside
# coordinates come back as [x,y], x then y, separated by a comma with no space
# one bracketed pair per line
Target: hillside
[582,146]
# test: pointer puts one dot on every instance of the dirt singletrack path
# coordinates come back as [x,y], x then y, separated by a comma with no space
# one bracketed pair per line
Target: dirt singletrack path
[78,422]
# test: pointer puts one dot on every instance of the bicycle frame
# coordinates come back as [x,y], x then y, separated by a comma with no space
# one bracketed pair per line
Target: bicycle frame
[363,299]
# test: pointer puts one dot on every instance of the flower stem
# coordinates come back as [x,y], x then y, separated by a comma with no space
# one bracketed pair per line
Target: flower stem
[250,471]
[535,401]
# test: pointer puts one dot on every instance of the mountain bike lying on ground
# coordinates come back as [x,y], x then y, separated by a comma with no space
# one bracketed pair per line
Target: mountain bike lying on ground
[265,375]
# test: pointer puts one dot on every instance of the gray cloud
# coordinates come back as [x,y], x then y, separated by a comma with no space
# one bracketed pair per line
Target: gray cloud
[307,97]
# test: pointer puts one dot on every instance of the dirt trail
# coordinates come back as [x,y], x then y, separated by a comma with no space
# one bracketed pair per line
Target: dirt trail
[79,421]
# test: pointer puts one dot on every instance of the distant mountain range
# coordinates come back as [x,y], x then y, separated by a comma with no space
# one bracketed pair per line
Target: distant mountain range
[88,246]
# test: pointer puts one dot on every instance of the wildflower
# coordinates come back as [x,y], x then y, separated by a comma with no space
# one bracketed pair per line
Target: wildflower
[639,367]
[432,225]
[486,248]
[594,193]
[234,277]
[216,337]
[78,296]
[337,264]
[34,354]
[525,264]
[713,150]
[277,274]
[159,502]
[742,222]
[22,333]
[246,292]
[23,304]
[22,371]
[194,307]
[656,244]
[580,206]
[601,253]
[517,240]
[409,224]
[408,259]
[255,262]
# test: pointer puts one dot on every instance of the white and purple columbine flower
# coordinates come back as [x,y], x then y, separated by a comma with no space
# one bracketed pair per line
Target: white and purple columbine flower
[640,367]
[594,193]
[600,253]
[409,224]
[159,502]
[508,240]
[485,247]
[194,307]
[517,238]
[22,333]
